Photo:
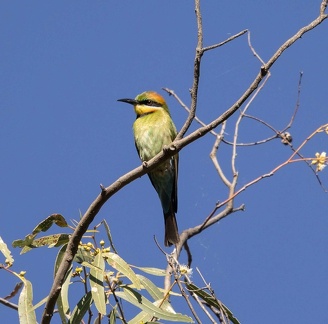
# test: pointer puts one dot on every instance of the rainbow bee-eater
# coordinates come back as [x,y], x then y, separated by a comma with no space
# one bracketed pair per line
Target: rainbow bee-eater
[153,129]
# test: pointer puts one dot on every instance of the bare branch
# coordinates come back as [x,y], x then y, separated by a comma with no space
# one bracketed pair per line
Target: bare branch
[188,302]
[272,172]
[323,7]
[198,57]
[213,156]
[252,48]
[8,303]
[208,48]
[184,106]
[176,146]
[234,145]
[277,133]
[297,102]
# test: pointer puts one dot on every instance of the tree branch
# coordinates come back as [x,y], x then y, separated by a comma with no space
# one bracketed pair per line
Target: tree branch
[176,146]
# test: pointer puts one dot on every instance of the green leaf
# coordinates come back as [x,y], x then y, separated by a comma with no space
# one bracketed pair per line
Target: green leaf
[142,317]
[6,252]
[59,258]
[153,290]
[81,308]
[97,320]
[57,240]
[97,284]
[57,219]
[156,293]
[152,271]
[30,243]
[210,300]
[112,316]
[51,241]
[120,265]
[25,308]
[40,303]
[144,304]
[62,301]
[26,242]
[83,256]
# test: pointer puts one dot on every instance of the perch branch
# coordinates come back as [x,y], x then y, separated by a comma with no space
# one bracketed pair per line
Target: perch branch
[175,147]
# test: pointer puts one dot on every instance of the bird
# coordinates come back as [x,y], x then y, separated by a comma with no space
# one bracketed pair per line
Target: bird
[153,130]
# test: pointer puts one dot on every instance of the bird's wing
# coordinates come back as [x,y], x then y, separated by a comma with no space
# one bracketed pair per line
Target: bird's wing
[175,188]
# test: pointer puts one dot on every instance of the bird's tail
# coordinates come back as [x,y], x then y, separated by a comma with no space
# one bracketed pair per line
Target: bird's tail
[171,228]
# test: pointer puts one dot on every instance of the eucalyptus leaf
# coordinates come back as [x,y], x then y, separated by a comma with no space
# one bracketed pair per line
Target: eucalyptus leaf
[81,308]
[144,304]
[6,252]
[210,300]
[26,312]
[120,265]
[97,284]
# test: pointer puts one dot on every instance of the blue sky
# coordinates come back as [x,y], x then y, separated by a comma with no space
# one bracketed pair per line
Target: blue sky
[62,133]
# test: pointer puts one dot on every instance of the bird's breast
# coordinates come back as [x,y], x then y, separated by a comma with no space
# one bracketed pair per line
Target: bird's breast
[151,134]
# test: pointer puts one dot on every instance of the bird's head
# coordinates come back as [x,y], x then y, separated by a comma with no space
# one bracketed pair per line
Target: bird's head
[147,103]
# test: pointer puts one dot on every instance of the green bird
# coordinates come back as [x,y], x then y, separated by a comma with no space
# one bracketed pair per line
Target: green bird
[153,129]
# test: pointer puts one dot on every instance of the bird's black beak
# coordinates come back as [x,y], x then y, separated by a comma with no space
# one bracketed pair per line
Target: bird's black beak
[129,101]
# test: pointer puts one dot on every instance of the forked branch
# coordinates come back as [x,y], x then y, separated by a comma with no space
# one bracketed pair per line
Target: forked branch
[176,146]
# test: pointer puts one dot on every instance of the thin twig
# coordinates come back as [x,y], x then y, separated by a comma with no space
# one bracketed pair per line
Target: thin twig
[185,296]
[252,48]
[277,133]
[199,302]
[222,309]
[116,300]
[8,303]
[208,48]
[213,156]
[234,146]
[280,166]
[184,106]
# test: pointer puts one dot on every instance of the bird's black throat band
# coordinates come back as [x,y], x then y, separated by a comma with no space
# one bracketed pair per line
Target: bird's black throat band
[144,114]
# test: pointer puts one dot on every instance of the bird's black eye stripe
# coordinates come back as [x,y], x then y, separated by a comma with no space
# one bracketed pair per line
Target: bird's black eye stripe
[148,102]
